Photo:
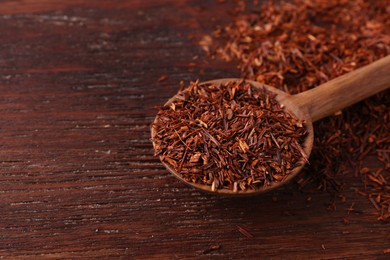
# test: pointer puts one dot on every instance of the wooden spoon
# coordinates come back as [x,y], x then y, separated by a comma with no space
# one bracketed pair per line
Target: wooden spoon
[311,105]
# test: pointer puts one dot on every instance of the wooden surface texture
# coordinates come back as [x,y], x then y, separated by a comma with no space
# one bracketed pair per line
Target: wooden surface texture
[78,179]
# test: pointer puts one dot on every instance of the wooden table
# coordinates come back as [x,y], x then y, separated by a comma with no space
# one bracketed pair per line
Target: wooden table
[78,179]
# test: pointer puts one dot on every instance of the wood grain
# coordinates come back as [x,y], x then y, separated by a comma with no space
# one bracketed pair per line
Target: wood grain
[78,179]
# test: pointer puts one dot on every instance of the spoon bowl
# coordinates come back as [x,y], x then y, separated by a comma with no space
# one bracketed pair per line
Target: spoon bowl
[309,106]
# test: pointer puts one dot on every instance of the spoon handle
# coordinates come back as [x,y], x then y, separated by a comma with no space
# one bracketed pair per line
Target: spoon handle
[345,90]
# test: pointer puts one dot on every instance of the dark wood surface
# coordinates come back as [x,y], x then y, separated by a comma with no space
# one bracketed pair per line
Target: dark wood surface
[78,179]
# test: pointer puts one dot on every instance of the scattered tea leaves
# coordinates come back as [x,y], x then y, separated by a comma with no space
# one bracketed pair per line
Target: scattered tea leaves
[298,45]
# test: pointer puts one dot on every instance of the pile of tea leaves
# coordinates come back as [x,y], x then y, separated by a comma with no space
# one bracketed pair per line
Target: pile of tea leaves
[233,136]
[298,45]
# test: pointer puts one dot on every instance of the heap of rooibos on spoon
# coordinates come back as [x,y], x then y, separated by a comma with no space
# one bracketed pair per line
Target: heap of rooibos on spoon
[229,136]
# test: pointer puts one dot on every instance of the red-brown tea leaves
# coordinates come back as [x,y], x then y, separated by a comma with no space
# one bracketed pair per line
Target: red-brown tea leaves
[231,135]
[299,45]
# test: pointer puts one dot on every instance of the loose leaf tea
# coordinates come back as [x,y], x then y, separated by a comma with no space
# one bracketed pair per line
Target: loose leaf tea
[298,45]
[231,135]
